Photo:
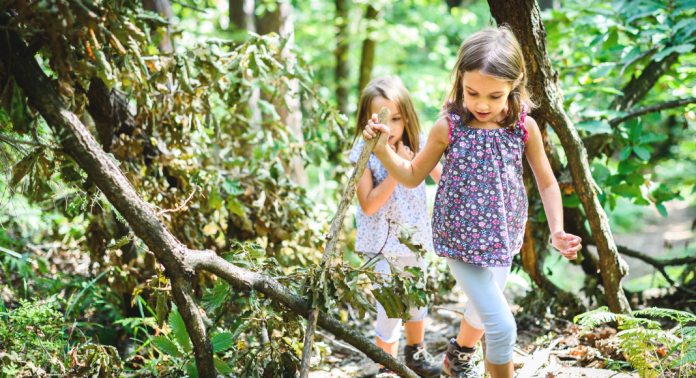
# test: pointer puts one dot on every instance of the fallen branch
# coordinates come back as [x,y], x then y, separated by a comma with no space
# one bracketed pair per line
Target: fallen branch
[651,109]
[332,237]
[245,280]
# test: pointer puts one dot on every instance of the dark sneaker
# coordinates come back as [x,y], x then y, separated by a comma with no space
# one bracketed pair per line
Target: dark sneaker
[421,362]
[459,363]
[386,373]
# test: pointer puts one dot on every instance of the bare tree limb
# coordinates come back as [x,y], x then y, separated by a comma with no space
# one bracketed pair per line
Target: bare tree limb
[332,237]
[524,18]
[651,109]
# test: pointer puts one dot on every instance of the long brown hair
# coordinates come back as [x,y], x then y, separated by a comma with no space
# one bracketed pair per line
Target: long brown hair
[393,89]
[494,52]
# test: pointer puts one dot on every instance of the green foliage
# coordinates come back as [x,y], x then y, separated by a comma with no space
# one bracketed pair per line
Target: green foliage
[32,333]
[641,337]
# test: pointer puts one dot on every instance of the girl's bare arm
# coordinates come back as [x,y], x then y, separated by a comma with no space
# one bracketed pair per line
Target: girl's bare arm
[371,198]
[410,173]
[550,192]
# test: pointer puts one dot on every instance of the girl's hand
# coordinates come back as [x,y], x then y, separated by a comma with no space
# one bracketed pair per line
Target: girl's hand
[567,244]
[404,151]
[371,132]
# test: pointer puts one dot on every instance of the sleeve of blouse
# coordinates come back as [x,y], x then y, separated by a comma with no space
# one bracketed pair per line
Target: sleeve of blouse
[354,154]
[422,139]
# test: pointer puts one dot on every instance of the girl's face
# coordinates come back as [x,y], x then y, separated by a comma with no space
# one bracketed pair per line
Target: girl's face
[396,120]
[485,96]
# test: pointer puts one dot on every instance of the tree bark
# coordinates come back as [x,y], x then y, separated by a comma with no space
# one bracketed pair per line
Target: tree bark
[525,20]
[163,7]
[341,53]
[238,15]
[180,263]
[368,51]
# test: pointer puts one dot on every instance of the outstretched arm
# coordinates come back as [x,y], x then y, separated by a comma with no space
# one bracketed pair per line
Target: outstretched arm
[372,197]
[409,173]
[567,244]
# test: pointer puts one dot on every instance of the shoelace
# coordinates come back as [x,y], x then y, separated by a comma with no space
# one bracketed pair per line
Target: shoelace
[468,363]
[423,354]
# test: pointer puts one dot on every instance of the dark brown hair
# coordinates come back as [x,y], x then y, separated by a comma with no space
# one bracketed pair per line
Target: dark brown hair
[494,52]
[393,89]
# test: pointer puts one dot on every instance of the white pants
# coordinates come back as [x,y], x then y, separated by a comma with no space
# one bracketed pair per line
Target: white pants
[389,329]
[487,308]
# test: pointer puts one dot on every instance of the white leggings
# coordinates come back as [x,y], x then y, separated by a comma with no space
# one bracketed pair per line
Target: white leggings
[389,329]
[487,308]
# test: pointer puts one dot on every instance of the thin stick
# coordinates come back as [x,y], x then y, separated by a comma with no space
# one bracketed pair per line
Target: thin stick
[182,205]
[651,109]
[332,237]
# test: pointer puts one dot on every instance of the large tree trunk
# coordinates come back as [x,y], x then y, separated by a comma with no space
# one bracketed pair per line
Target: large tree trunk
[241,13]
[368,51]
[341,53]
[525,20]
[180,262]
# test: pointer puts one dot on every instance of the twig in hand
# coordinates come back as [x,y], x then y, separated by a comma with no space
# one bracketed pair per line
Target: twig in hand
[182,205]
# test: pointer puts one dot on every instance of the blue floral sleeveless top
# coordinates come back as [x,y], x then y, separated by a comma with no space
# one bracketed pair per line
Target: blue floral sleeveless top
[481,204]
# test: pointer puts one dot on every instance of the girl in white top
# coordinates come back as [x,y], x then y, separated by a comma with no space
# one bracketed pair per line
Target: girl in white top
[380,196]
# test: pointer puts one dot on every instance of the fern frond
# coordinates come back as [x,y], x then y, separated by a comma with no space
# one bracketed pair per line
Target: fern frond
[680,316]
[688,357]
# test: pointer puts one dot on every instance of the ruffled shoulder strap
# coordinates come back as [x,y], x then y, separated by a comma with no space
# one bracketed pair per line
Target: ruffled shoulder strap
[453,119]
[523,116]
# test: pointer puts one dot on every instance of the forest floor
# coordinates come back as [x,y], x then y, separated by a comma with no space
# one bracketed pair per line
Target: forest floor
[551,347]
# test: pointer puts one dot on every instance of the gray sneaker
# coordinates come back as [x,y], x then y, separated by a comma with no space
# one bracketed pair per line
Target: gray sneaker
[458,363]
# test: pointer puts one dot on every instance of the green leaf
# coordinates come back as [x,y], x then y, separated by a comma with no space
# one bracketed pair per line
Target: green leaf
[179,330]
[215,297]
[628,191]
[611,41]
[635,178]
[600,172]
[571,201]
[223,341]
[161,308]
[661,209]
[625,152]
[192,370]
[595,127]
[652,138]
[24,166]
[642,152]
[162,343]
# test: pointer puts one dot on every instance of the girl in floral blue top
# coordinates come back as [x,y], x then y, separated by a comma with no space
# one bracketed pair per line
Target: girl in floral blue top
[481,206]
[381,197]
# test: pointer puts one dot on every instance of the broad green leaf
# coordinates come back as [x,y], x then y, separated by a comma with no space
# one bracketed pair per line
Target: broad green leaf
[661,209]
[625,152]
[179,330]
[642,152]
[223,341]
[652,138]
[192,370]
[161,308]
[24,166]
[215,297]
[635,178]
[600,172]
[595,127]
[571,201]
[162,343]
